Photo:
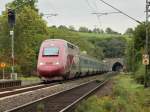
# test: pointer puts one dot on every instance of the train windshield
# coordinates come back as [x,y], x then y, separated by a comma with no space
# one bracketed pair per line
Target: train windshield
[51,51]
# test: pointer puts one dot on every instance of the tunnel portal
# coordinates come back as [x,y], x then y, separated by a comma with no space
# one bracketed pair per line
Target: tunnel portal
[117,67]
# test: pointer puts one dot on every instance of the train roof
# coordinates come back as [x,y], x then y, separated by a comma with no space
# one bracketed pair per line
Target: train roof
[61,40]
[89,57]
[81,53]
[54,40]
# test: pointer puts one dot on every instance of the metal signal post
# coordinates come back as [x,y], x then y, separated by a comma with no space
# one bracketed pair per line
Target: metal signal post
[147,35]
[11,22]
[12,49]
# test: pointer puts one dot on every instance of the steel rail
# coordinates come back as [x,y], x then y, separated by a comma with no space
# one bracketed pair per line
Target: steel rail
[17,87]
[31,105]
[24,89]
[72,106]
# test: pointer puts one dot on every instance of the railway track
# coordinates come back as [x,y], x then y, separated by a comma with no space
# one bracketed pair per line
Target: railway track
[21,89]
[64,101]
[17,87]
[16,90]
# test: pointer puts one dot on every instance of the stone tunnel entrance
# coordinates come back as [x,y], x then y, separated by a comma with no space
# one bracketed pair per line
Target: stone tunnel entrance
[117,67]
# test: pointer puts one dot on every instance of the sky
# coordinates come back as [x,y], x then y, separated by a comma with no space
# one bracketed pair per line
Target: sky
[78,13]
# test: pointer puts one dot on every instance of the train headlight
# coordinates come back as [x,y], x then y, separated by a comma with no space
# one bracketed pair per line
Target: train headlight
[56,63]
[41,63]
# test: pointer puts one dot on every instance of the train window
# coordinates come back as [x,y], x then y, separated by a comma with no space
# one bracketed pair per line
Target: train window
[51,51]
[70,46]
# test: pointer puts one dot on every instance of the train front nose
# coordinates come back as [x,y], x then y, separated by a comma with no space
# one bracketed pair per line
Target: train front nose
[50,70]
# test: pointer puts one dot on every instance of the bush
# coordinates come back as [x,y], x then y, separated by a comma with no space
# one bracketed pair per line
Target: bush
[139,74]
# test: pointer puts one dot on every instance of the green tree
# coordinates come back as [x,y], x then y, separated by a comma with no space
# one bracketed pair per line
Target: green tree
[110,31]
[19,4]
[129,31]
[83,29]
[30,30]
[140,41]
[96,30]
[72,28]
[101,31]
[112,47]
[62,27]
[140,36]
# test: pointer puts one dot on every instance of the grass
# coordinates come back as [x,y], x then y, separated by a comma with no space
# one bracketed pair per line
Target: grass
[128,96]
[29,78]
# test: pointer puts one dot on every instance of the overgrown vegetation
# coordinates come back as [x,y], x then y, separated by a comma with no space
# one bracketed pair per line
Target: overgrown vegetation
[127,96]
[134,54]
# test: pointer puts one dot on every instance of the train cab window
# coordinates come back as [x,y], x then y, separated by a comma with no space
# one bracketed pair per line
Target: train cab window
[51,51]
[70,46]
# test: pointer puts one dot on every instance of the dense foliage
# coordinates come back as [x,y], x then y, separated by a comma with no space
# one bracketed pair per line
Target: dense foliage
[112,47]
[29,30]
[135,51]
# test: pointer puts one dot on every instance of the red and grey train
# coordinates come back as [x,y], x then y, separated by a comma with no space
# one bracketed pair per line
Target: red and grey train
[59,60]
